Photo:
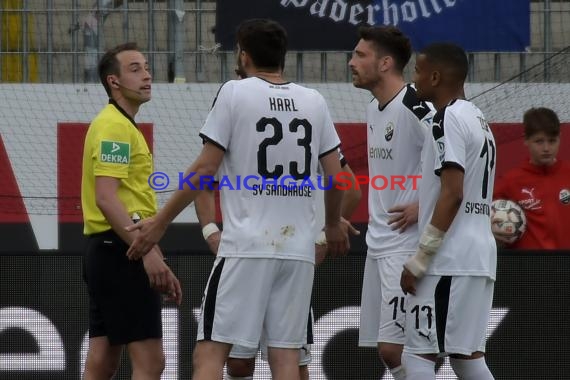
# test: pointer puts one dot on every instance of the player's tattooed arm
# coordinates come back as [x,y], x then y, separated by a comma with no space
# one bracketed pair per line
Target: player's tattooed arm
[351,196]
[205,204]
[350,200]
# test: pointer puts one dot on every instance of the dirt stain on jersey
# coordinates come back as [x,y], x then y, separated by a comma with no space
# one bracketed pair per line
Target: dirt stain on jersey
[288,231]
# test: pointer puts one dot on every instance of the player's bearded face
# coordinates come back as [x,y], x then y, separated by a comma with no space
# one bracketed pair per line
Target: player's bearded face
[365,65]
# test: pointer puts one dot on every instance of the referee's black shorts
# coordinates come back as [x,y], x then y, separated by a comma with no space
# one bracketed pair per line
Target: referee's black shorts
[122,305]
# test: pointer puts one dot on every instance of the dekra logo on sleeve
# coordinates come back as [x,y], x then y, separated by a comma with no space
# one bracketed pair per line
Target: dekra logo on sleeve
[115,152]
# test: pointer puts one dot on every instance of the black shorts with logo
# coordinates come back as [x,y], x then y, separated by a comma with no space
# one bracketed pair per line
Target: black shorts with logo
[122,305]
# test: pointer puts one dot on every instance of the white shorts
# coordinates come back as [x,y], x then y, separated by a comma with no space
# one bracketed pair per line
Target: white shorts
[449,315]
[241,352]
[246,297]
[383,308]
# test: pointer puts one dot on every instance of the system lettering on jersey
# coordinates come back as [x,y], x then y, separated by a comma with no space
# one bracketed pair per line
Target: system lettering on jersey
[477,208]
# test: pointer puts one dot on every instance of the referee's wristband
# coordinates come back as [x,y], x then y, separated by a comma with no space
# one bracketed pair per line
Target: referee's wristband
[209,229]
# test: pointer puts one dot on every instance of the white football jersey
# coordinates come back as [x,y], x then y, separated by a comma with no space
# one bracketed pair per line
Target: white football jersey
[396,134]
[273,136]
[462,138]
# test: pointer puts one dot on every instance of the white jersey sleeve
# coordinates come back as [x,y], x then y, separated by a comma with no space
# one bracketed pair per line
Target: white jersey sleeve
[450,145]
[461,138]
[217,127]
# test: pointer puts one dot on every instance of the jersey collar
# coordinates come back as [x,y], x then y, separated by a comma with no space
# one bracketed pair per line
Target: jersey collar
[382,108]
[277,84]
[125,114]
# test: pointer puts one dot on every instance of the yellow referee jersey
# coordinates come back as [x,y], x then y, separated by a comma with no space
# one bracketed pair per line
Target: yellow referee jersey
[115,147]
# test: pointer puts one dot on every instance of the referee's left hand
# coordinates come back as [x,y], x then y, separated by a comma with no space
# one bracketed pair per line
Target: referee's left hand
[149,234]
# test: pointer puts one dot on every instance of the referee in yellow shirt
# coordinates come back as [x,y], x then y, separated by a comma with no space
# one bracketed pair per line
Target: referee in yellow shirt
[124,295]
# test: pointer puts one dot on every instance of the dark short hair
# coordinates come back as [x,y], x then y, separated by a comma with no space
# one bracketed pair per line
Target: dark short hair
[451,56]
[541,119]
[265,41]
[390,40]
[109,64]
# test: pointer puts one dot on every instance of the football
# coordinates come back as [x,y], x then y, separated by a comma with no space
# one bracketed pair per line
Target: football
[509,218]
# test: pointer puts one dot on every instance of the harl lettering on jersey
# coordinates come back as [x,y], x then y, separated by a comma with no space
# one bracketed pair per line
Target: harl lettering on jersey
[115,152]
[282,104]
[380,153]
[477,208]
